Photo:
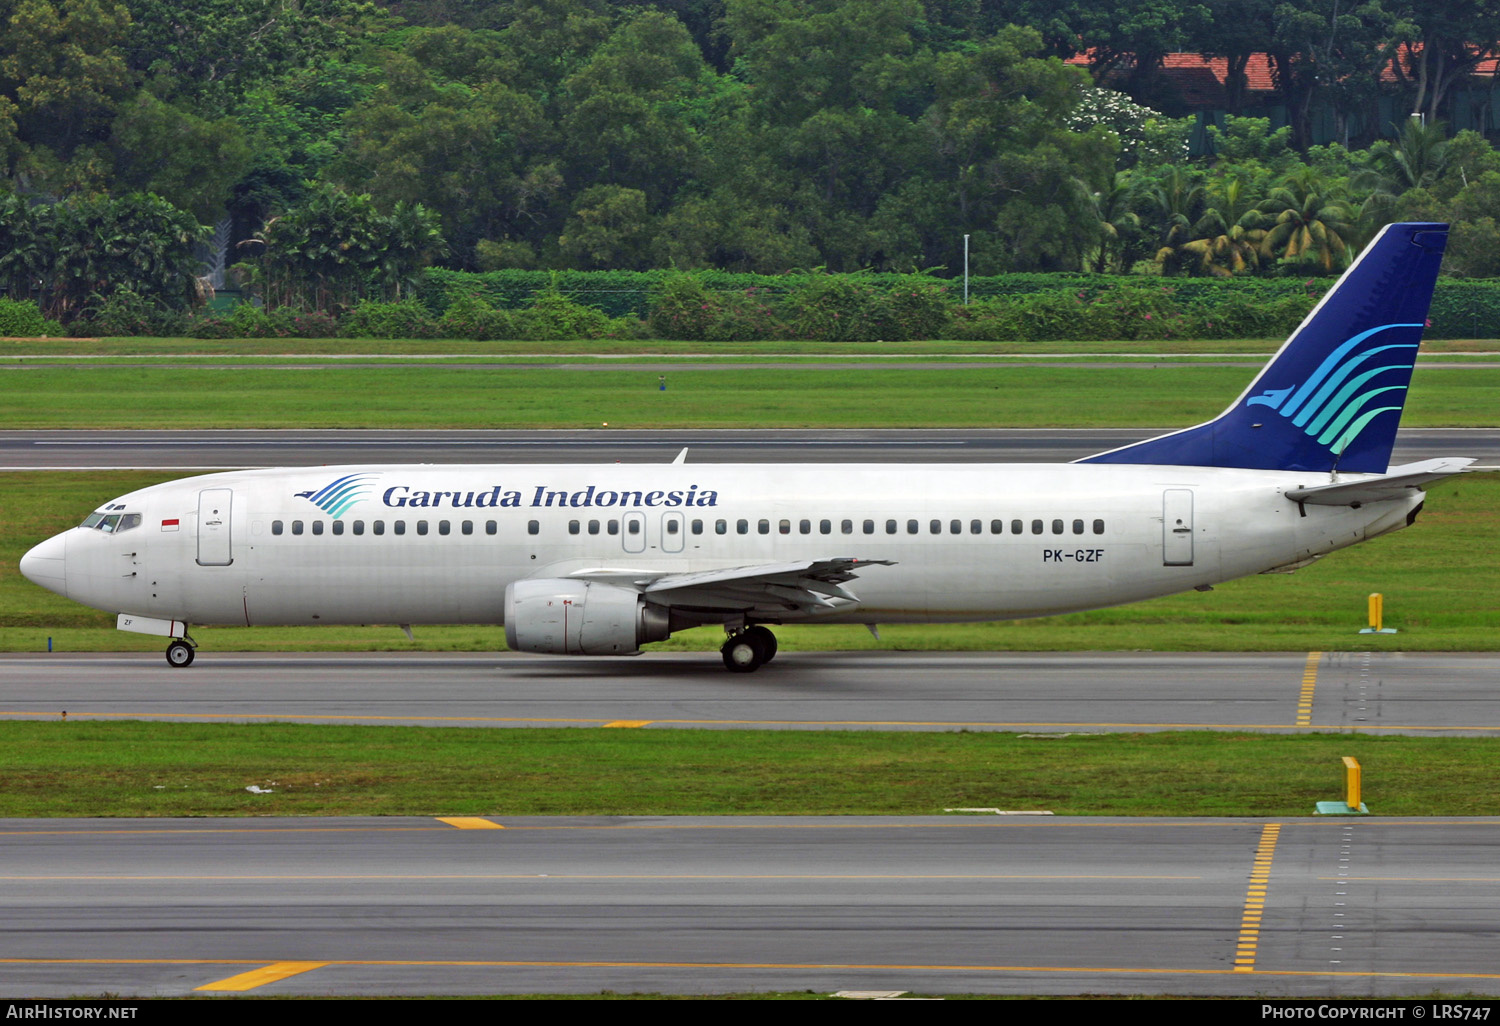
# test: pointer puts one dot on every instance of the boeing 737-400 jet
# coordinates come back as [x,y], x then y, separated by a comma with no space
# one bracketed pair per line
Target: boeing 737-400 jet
[599,560]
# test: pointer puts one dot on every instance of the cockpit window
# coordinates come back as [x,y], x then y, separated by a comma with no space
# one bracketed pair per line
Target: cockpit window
[112,523]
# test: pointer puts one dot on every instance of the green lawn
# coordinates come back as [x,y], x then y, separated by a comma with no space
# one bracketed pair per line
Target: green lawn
[407,396]
[632,347]
[187,769]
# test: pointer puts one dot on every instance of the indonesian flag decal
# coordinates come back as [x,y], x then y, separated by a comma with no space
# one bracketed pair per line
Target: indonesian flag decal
[170,525]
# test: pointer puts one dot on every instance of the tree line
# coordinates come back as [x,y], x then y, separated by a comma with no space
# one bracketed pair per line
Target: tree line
[348,144]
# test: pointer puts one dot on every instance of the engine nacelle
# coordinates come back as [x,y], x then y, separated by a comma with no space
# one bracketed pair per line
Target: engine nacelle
[580,618]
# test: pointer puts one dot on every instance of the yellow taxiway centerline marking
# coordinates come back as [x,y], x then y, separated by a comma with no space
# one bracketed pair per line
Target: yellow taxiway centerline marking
[470,823]
[599,722]
[979,822]
[628,723]
[260,977]
[553,877]
[980,968]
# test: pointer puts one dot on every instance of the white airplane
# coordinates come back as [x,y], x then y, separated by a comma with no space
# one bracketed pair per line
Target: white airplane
[599,560]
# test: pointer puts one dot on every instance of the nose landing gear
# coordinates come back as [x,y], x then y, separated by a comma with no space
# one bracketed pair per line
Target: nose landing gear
[749,649]
[180,653]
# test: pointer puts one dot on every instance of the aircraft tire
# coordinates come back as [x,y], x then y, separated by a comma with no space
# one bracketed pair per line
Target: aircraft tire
[179,654]
[742,654]
[763,639]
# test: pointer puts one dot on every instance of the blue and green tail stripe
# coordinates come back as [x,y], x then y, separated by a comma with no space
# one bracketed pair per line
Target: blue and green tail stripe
[1331,398]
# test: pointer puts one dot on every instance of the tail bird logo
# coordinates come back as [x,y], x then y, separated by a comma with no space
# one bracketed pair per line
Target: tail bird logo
[1342,396]
[338,496]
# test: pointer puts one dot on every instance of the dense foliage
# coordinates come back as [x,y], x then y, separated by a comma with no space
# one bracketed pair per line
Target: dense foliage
[343,145]
[816,307]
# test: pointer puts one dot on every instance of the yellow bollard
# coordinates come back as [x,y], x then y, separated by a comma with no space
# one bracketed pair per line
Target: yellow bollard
[1352,805]
[1377,616]
[1351,782]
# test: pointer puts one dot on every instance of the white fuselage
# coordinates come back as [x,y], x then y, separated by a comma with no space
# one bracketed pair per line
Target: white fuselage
[968,542]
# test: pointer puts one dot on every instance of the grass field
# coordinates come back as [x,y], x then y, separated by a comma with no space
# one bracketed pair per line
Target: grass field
[1441,585]
[186,769]
[927,348]
[409,396]
[1439,579]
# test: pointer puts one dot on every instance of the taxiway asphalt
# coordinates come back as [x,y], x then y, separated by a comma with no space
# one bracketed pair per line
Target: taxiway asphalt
[1430,694]
[1330,907]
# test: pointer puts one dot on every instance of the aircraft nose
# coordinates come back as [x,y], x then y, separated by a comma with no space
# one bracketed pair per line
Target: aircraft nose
[45,565]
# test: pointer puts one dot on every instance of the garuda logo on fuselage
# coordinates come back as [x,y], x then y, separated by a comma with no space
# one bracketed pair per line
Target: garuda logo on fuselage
[1334,404]
[336,497]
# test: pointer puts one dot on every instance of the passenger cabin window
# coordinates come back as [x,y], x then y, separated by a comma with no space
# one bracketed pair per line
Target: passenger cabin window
[1098,527]
[378,526]
[338,527]
[421,527]
[276,526]
[533,527]
[785,527]
[444,527]
[593,527]
[490,527]
[468,527]
[912,527]
[296,527]
[1057,527]
[574,527]
[869,526]
[1078,527]
[846,527]
[997,527]
[764,527]
[890,527]
[1036,527]
[317,527]
[359,527]
[398,526]
[804,526]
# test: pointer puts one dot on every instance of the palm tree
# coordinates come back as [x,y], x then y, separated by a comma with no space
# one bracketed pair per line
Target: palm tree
[1115,222]
[1305,225]
[1173,205]
[1226,236]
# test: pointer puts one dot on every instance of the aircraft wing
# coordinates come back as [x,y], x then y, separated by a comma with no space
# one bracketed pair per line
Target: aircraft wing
[771,588]
[1395,483]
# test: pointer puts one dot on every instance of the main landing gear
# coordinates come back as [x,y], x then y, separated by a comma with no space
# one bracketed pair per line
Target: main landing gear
[748,649]
[180,653]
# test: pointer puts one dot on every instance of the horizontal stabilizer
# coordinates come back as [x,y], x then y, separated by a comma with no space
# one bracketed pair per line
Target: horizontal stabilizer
[1398,483]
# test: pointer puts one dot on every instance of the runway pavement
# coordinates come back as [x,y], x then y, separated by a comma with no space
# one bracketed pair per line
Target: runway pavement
[1328,907]
[1432,694]
[190,450]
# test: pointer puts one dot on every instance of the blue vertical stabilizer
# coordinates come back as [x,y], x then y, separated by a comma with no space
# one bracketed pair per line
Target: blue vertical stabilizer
[1331,398]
